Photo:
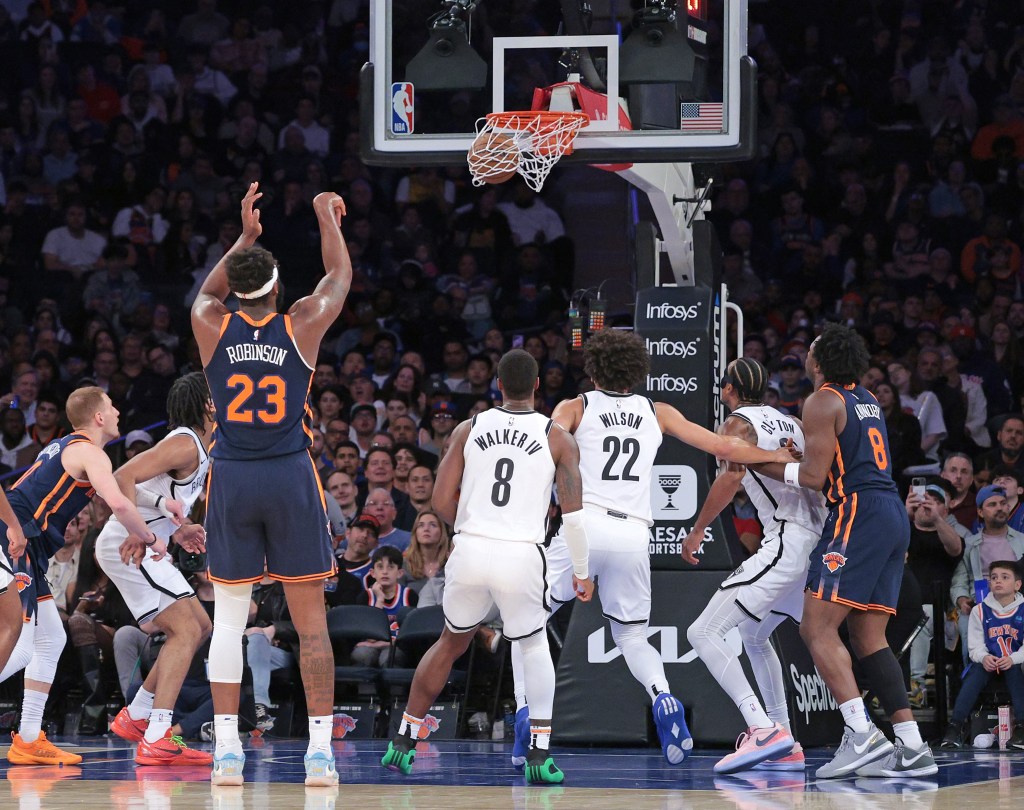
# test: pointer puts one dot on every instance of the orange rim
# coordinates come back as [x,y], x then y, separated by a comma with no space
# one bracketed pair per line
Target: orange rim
[523,119]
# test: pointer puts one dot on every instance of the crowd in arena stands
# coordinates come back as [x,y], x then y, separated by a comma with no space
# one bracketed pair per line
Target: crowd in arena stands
[888,194]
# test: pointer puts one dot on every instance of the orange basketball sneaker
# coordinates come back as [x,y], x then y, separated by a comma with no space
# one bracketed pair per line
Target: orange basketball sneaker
[128,729]
[38,752]
[171,750]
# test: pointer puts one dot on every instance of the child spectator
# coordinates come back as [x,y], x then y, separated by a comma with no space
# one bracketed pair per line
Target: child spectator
[386,593]
[995,637]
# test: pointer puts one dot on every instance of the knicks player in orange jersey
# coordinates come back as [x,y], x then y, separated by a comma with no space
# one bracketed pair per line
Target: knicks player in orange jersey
[856,568]
[264,499]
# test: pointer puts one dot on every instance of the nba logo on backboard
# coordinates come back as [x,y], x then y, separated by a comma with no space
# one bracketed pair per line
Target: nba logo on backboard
[401,108]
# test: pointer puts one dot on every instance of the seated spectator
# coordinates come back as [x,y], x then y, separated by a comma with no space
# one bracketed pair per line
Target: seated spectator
[72,249]
[958,469]
[114,291]
[342,489]
[346,459]
[360,543]
[388,593]
[936,545]
[1010,480]
[62,570]
[921,403]
[272,644]
[994,639]
[379,469]
[17,450]
[363,421]
[442,422]
[429,548]
[903,429]
[793,385]
[1009,443]
[995,541]
[421,487]
[381,505]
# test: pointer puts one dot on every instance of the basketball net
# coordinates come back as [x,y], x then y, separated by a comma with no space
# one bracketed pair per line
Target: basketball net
[529,142]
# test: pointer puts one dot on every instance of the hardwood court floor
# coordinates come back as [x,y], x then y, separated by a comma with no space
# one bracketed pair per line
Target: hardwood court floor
[457,775]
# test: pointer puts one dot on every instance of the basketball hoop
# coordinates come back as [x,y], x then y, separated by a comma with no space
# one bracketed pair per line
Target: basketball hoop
[529,142]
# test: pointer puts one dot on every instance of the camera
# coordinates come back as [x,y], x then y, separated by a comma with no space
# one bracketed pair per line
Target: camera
[189,562]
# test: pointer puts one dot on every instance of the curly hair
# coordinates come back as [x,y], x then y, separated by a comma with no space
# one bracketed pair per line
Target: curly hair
[250,269]
[841,354]
[616,360]
[188,400]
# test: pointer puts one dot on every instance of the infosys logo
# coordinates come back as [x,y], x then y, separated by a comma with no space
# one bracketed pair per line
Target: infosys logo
[673,312]
[672,385]
[673,348]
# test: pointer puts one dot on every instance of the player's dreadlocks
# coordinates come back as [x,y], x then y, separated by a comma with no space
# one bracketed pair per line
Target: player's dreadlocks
[187,401]
[749,378]
[616,360]
[841,354]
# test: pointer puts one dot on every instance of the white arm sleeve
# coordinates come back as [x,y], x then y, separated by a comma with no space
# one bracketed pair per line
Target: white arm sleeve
[576,541]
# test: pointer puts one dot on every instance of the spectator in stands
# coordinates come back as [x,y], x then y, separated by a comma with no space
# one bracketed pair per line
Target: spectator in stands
[342,488]
[903,429]
[114,291]
[442,422]
[1009,443]
[958,470]
[936,545]
[995,541]
[47,426]
[346,459]
[406,457]
[921,403]
[994,650]
[388,592]
[17,450]
[429,548]
[72,249]
[381,505]
[530,218]
[385,348]
[363,421]
[148,393]
[421,487]
[403,429]
[1010,479]
[379,470]
[361,540]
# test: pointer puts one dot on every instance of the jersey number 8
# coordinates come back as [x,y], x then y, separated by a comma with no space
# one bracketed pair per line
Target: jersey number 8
[878,448]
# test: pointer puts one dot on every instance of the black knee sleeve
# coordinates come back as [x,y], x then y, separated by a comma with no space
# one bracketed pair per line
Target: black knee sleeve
[885,679]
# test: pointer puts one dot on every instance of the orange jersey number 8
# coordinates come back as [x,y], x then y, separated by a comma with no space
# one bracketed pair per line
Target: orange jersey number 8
[878,446]
[275,388]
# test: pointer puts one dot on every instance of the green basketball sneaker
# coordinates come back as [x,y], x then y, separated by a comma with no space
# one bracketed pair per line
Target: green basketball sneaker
[400,755]
[541,768]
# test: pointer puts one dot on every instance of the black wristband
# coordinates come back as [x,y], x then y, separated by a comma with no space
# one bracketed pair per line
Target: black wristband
[155,538]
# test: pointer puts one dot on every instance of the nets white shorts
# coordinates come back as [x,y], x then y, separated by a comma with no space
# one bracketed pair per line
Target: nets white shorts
[773,579]
[148,589]
[6,571]
[484,573]
[619,561]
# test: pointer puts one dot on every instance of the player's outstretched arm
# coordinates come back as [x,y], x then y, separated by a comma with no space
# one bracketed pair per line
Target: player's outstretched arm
[170,454]
[567,414]
[569,485]
[821,416]
[730,448]
[313,315]
[722,491]
[445,500]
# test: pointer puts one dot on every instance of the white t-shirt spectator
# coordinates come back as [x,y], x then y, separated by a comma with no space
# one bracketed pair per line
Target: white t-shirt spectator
[527,223]
[77,252]
[318,139]
[925,406]
[133,222]
[9,456]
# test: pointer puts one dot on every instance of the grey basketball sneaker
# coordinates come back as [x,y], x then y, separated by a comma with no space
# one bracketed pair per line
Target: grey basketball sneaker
[903,761]
[855,751]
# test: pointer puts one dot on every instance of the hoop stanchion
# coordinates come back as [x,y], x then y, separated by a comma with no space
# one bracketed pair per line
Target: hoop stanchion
[529,142]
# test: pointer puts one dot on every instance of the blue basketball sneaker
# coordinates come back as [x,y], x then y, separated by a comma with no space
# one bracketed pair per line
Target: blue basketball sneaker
[320,770]
[521,741]
[676,742]
[227,769]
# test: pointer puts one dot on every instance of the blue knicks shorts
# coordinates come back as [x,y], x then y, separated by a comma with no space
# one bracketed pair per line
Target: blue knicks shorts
[267,510]
[28,574]
[860,558]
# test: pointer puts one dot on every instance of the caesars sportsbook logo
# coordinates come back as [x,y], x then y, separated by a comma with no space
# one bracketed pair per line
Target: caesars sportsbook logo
[673,492]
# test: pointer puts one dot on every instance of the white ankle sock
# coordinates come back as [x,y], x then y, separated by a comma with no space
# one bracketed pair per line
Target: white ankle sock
[908,733]
[159,723]
[540,736]
[141,705]
[320,729]
[753,714]
[410,726]
[32,706]
[854,715]
[225,732]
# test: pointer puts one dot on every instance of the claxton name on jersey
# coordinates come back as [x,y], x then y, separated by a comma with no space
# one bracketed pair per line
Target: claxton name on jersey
[510,436]
[241,352]
[868,412]
[613,419]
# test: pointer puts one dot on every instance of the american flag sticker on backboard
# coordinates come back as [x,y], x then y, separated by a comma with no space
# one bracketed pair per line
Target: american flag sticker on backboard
[700,116]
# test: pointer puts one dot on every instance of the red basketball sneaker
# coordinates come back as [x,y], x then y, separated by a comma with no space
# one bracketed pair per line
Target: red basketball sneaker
[171,750]
[128,729]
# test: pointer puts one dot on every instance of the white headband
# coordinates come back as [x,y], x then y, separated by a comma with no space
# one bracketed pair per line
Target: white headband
[262,290]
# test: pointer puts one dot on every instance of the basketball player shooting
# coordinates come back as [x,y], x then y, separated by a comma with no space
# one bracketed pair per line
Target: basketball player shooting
[494,485]
[259,365]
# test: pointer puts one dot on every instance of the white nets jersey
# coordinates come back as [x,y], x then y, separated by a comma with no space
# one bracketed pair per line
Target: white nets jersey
[619,437]
[774,500]
[506,485]
[185,490]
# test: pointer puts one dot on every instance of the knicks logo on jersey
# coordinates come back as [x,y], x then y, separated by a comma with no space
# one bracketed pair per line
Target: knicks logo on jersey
[24,581]
[833,561]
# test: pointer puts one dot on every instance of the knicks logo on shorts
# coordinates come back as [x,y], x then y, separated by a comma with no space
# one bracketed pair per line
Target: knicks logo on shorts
[343,724]
[833,561]
[24,581]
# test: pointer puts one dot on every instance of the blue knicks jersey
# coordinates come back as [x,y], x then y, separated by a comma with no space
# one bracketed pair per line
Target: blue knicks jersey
[862,461]
[46,497]
[1003,634]
[260,387]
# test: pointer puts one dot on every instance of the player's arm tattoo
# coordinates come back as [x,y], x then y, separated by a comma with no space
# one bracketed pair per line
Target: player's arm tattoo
[567,474]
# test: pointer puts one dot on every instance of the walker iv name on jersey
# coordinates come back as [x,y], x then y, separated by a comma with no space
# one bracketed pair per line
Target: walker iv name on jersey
[510,436]
[241,352]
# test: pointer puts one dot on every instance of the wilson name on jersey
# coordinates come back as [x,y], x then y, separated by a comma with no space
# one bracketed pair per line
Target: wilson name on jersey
[774,500]
[618,436]
[506,484]
[259,384]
